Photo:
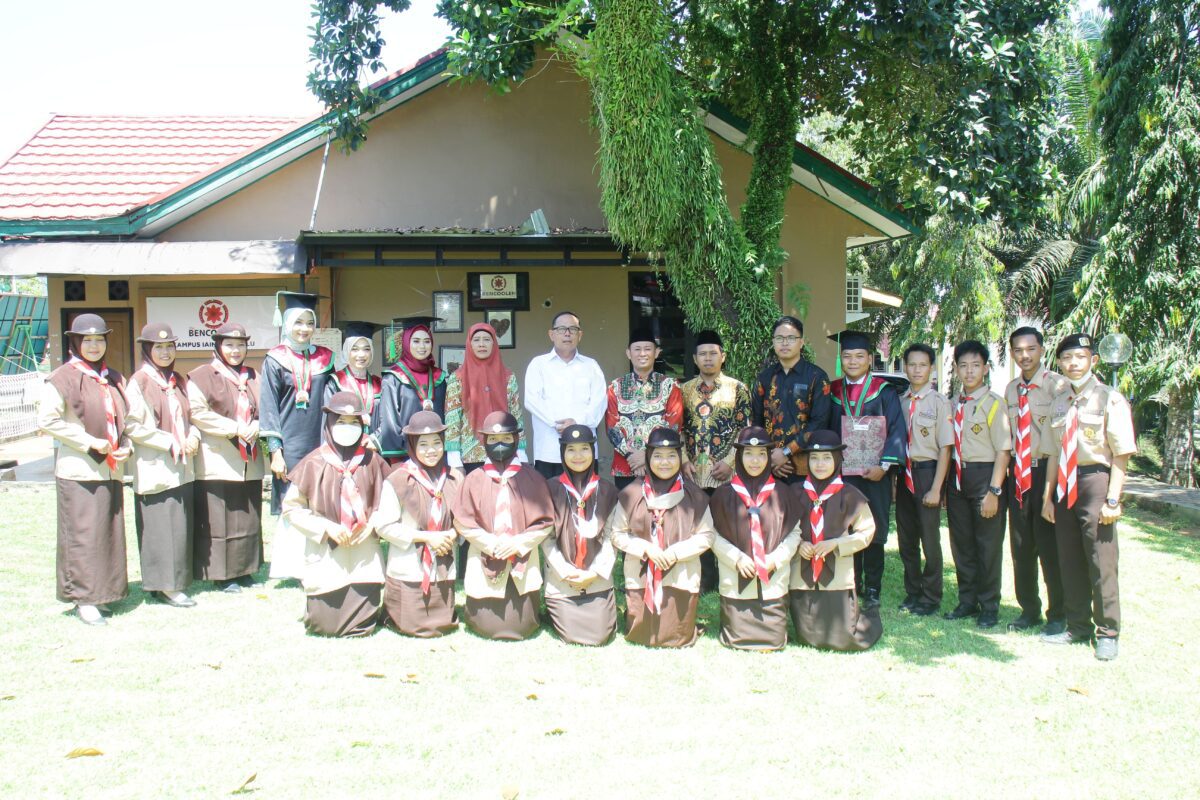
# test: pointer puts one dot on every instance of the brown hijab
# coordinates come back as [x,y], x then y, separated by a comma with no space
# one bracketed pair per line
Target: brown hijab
[839,512]
[222,393]
[156,396]
[85,396]
[598,507]
[778,514]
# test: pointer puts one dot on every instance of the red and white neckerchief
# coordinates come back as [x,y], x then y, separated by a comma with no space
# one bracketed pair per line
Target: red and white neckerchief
[110,406]
[436,508]
[816,517]
[754,507]
[174,408]
[502,524]
[360,386]
[244,416]
[351,511]
[958,439]
[1022,457]
[652,593]
[584,528]
[1068,458]
[908,467]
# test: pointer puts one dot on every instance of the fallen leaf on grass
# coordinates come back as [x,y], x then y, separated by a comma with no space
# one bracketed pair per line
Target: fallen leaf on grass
[1079,690]
[262,597]
[374,675]
[243,788]
[360,744]
[213,666]
[1042,719]
[531,697]
[758,691]
[411,678]
[539,681]
[9,697]
[555,732]
[510,792]
[80,752]
[81,660]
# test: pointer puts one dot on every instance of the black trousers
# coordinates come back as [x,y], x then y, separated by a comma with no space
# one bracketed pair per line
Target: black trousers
[919,528]
[548,469]
[868,562]
[1031,540]
[976,543]
[1087,552]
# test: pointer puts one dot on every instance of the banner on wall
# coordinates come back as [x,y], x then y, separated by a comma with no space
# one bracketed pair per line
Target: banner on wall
[196,319]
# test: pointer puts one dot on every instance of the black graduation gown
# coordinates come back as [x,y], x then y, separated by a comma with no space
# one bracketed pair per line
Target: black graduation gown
[299,428]
[398,401]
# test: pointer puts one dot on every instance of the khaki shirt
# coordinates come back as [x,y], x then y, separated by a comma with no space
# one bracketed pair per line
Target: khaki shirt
[779,562]
[862,531]
[154,468]
[934,426]
[397,526]
[1105,423]
[602,565]
[985,431]
[219,458]
[326,568]
[72,461]
[1047,384]
[475,580]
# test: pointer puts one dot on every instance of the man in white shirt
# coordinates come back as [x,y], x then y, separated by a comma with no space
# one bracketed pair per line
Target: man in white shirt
[562,388]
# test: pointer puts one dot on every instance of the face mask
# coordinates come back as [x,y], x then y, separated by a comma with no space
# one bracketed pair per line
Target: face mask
[499,452]
[1079,383]
[347,434]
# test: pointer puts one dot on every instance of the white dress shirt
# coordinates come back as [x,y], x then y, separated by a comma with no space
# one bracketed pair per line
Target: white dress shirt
[557,389]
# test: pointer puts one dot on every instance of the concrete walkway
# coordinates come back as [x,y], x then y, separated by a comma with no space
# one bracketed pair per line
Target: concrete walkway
[34,456]
[1163,498]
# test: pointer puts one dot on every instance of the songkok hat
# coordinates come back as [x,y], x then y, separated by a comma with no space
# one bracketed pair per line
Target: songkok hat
[709,337]
[642,333]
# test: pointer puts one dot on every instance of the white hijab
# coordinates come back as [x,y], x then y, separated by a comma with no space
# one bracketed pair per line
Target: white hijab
[289,319]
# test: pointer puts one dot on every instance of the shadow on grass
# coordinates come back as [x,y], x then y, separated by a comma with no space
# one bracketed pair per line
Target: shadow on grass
[1167,534]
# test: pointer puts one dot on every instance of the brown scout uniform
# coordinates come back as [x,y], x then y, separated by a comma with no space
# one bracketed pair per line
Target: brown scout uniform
[918,527]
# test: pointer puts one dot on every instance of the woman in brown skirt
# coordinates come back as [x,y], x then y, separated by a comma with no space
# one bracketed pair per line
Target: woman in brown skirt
[164,444]
[504,512]
[415,518]
[757,535]
[333,495]
[662,523]
[579,555]
[835,523]
[223,395]
[83,406]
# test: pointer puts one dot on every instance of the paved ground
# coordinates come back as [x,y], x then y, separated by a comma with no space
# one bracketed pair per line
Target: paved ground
[34,456]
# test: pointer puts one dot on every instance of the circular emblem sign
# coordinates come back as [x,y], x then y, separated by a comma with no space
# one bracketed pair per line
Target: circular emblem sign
[499,283]
[213,314]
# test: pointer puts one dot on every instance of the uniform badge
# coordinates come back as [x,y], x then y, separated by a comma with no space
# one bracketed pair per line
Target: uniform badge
[924,431]
[1091,434]
[976,428]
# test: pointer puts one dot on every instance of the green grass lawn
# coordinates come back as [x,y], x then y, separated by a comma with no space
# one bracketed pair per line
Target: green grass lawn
[192,702]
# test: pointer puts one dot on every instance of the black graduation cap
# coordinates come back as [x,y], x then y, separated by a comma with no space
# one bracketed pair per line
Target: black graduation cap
[355,328]
[853,340]
[290,300]
[413,320]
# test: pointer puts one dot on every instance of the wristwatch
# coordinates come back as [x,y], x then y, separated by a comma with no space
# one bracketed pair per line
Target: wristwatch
[1111,503]
[996,490]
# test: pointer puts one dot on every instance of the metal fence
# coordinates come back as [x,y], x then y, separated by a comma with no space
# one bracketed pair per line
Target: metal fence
[18,404]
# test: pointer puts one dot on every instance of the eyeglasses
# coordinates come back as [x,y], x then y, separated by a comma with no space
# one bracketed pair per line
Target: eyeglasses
[563,330]
[785,339]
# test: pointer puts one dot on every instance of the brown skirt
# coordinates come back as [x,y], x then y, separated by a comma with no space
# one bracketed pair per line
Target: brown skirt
[673,626]
[91,542]
[832,620]
[164,534]
[754,624]
[587,619]
[347,612]
[509,618]
[228,531]
[414,614]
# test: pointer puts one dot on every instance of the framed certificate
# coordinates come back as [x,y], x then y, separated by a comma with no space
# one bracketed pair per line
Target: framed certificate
[864,438]
[448,309]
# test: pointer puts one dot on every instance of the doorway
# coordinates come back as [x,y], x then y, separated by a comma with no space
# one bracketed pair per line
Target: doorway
[120,342]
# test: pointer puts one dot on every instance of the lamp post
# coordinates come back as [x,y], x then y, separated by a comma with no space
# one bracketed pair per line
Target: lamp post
[1115,350]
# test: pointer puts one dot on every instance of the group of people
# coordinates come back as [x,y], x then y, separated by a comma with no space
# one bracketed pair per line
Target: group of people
[714,484]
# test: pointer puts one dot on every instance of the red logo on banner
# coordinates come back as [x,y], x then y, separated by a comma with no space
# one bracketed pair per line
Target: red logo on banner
[213,313]
[499,283]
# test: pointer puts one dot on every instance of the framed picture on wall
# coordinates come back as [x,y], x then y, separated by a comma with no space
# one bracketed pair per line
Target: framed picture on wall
[451,357]
[497,291]
[448,307]
[505,325]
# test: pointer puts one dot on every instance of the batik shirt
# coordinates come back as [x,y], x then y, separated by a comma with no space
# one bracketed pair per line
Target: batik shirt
[791,405]
[637,407]
[712,417]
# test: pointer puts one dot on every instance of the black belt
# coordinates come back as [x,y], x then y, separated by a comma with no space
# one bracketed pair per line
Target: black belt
[930,464]
[1033,462]
[1090,468]
[978,464]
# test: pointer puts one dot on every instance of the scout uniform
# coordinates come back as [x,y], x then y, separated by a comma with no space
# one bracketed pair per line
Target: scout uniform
[229,470]
[928,419]
[674,515]
[503,500]
[1030,537]
[338,487]
[980,434]
[581,542]
[825,609]
[756,518]
[635,408]
[160,427]
[1091,426]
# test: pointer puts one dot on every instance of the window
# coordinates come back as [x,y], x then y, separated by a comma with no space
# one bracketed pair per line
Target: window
[853,294]
[652,304]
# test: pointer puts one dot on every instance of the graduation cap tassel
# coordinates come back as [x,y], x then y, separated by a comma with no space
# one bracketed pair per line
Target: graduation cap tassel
[837,367]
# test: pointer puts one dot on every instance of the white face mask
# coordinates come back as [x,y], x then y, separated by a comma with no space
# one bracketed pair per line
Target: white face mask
[347,434]
[1079,383]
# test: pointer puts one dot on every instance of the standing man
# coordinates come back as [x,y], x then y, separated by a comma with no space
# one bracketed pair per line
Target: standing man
[1030,537]
[1092,440]
[974,502]
[790,399]
[716,408]
[562,388]
[928,416]
[857,397]
[638,402]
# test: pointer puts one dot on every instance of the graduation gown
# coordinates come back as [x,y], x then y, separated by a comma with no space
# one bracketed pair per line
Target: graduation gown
[398,401]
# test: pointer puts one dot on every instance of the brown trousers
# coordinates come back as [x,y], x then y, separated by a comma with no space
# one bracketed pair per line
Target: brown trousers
[919,528]
[1087,554]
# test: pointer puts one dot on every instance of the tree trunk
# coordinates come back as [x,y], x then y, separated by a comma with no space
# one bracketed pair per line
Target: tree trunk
[1178,442]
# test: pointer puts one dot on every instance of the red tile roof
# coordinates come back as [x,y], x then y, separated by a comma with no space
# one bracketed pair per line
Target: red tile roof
[85,167]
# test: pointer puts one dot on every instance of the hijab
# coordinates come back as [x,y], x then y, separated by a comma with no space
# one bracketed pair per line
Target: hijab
[289,319]
[419,366]
[484,381]
[348,345]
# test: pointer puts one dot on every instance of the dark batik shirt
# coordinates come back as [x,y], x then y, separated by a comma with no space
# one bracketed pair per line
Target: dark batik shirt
[791,404]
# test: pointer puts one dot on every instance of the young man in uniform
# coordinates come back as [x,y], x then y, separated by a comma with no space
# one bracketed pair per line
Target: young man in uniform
[1092,439]
[928,416]
[1030,538]
[975,500]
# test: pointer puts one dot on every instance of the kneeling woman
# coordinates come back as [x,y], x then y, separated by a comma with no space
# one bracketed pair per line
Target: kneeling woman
[414,517]
[663,522]
[332,495]
[835,523]
[504,512]
[580,556]
[757,536]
